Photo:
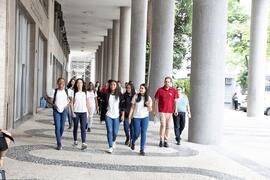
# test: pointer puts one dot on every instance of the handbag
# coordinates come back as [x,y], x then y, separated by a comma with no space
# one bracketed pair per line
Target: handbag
[3,141]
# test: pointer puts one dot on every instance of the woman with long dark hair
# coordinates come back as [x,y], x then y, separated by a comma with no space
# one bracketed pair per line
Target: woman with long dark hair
[98,91]
[70,91]
[80,109]
[113,104]
[93,105]
[141,106]
[130,92]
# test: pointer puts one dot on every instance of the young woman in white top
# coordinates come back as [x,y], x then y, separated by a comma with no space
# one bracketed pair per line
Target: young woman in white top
[93,105]
[80,109]
[60,99]
[141,106]
[113,104]
[70,86]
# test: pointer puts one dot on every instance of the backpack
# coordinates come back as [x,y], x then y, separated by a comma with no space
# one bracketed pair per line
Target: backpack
[55,93]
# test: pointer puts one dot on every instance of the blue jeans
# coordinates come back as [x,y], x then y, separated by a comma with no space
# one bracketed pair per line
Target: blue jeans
[82,117]
[59,121]
[69,115]
[140,126]
[128,128]
[112,126]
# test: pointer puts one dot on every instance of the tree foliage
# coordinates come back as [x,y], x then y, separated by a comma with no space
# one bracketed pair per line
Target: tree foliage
[238,37]
[184,84]
[268,39]
[182,32]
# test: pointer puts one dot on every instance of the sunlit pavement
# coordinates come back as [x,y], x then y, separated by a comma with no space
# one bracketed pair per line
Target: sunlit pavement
[243,154]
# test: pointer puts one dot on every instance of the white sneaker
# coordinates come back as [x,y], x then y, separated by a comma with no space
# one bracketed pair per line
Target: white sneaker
[75,143]
[84,146]
[114,145]
[110,150]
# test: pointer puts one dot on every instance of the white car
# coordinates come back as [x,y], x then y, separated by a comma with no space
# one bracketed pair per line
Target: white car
[243,104]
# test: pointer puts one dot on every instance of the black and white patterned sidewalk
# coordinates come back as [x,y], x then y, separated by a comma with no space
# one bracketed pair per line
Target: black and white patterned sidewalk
[34,157]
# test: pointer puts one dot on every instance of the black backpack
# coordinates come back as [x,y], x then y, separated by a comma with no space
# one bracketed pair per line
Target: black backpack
[55,93]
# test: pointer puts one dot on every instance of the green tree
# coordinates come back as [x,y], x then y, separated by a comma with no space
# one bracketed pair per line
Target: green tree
[238,36]
[182,32]
[268,39]
[242,79]
[184,84]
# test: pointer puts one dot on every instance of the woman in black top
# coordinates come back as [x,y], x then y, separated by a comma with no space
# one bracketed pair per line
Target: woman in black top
[103,96]
[98,90]
[130,92]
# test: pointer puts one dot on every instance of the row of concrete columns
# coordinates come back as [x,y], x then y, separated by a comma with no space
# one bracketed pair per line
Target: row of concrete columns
[127,57]
[130,33]
[118,61]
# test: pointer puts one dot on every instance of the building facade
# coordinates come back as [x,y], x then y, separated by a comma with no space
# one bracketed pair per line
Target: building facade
[34,54]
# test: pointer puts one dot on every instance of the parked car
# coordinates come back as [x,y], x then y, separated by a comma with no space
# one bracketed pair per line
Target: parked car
[243,104]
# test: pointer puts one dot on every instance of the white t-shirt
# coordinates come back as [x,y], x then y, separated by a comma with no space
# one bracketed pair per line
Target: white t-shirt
[80,102]
[140,110]
[113,107]
[92,96]
[61,99]
[70,92]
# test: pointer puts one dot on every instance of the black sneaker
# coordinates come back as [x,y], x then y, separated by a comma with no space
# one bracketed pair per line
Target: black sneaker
[166,144]
[59,147]
[132,147]
[88,129]
[127,141]
[142,153]
[178,143]
[160,144]
[69,127]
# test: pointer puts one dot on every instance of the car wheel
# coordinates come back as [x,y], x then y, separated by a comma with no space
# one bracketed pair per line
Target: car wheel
[268,112]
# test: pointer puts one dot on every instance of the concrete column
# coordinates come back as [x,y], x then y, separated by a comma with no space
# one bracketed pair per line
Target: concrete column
[162,43]
[96,65]
[105,59]
[115,51]
[138,41]
[109,60]
[207,70]
[258,45]
[3,55]
[124,47]
[101,57]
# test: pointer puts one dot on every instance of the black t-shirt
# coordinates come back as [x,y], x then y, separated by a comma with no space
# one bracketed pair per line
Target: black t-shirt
[127,103]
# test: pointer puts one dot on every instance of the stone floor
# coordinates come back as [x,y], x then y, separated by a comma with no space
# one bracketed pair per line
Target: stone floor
[244,154]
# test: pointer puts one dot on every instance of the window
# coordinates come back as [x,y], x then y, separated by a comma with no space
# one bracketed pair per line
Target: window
[228,81]
[23,69]
[59,29]
[57,71]
[267,88]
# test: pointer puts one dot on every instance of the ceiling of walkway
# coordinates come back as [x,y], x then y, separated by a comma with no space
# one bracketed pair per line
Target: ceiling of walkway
[87,21]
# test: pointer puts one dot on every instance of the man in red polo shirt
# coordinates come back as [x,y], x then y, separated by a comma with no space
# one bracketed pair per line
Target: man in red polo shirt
[166,98]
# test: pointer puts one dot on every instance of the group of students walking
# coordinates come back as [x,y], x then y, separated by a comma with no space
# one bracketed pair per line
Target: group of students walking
[80,103]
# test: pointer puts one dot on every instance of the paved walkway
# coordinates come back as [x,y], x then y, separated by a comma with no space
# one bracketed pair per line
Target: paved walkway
[244,154]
